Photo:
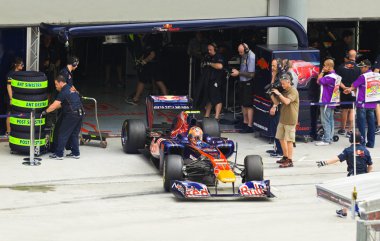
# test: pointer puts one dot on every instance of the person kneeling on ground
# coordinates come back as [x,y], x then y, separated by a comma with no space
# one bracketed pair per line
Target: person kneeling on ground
[363,162]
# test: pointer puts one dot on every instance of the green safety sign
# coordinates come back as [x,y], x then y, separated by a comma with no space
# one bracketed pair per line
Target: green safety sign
[26,122]
[29,104]
[29,85]
[26,142]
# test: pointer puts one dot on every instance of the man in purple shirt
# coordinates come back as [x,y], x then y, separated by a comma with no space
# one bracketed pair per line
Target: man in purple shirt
[327,79]
[365,111]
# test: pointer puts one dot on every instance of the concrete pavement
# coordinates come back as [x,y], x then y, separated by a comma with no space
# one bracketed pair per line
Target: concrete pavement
[109,195]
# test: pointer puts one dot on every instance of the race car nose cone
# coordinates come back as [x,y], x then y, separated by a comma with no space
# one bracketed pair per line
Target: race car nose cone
[226,176]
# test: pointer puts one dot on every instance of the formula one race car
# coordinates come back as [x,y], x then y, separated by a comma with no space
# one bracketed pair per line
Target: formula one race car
[191,154]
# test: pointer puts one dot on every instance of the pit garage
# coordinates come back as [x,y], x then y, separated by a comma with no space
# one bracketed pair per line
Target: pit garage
[112,81]
[107,61]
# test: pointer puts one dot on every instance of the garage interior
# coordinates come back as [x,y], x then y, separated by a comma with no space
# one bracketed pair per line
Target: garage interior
[91,75]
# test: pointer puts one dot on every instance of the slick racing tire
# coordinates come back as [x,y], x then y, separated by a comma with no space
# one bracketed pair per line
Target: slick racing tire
[20,122]
[29,82]
[133,136]
[172,170]
[211,127]
[254,170]
[25,103]
[20,142]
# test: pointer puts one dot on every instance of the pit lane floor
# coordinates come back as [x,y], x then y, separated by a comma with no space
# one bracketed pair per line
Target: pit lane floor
[109,195]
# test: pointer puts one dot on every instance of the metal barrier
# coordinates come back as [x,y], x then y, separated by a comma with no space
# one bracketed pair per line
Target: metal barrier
[368,230]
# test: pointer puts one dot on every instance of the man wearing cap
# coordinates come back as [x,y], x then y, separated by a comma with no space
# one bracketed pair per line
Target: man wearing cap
[365,111]
[328,80]
[286,129]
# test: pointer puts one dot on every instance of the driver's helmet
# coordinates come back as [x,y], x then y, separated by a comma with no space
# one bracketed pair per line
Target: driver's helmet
[195,135]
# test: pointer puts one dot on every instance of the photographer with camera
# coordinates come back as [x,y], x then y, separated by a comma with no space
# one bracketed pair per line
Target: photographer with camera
[209,88]
[286,129]
[246,75]
[279,67]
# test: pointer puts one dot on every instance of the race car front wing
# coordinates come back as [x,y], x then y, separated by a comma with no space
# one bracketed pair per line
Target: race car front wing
[195,190]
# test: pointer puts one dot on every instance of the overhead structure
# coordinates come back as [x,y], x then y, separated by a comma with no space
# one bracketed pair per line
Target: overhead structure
[64,33]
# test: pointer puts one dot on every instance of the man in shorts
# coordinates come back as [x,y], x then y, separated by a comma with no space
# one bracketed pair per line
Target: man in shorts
[286,129]
[246,75]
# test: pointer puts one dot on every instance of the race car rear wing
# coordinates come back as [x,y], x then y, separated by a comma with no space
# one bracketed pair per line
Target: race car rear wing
[170,102]
[166,102]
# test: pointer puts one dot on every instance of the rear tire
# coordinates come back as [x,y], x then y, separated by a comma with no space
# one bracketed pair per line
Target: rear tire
[25,103]
[20,122]
[172,170]
[133,136]
[254,170]
[211,127]
[19,142]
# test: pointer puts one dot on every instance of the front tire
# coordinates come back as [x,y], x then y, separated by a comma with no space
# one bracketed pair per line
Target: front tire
[254,170]
[172,170]
[133,136]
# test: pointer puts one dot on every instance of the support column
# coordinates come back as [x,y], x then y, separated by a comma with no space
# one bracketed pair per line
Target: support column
[32,48]
[273,10]
[297,9]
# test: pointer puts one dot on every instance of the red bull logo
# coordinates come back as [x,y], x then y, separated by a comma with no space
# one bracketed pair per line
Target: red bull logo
[263,64]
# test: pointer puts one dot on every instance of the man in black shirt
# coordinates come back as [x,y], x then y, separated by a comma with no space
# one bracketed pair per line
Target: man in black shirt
[342,46]
[210,89]
[149,68]
[67,72]
[72,115]
[349,73]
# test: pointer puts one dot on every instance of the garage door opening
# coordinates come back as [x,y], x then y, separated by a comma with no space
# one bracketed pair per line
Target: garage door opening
[92,78]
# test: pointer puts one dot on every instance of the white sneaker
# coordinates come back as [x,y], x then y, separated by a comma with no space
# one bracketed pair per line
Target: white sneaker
[322,143]
[72,156]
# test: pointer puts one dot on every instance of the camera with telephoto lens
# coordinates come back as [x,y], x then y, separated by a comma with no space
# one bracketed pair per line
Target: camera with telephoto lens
[282,70]
[276,85]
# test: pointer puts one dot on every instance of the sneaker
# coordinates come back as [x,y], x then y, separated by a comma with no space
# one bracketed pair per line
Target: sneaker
[287,163]
[282,160]
[71,155]
[322,143]
[131,101]
[377,131]
[5,136]
[241,126]
[342,132]
[276,155]
[270,151]
[341,213]
[247,129]
[369,146]
[55,157]
[348,134]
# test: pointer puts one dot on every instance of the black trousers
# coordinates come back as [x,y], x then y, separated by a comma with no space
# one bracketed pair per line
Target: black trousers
[68,133]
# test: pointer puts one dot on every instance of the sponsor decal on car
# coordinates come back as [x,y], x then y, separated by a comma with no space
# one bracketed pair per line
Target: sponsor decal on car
[253,189]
